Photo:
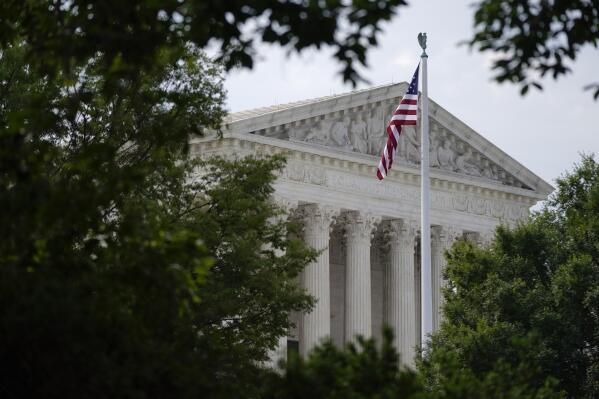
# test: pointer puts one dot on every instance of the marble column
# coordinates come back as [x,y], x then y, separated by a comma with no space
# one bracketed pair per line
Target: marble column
[316,325]
[442,238]
[358,300]
[400,289]
[279,353]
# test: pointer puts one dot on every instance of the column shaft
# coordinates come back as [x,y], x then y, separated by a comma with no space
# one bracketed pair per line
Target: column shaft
[279,353]
[437,266]
[443,237]
[358,300]
[316,325]
[400,289]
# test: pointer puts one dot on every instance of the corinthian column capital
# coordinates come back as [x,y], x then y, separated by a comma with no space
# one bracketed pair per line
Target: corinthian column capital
[317,219]
[283,203]
[402,232]
[285,207]
[360,225]
[444,236]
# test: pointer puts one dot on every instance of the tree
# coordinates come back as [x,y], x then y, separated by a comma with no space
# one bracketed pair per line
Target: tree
[535,38]
[121,274]
[526,308]
[127,35]
[247,298]
[368,369]
[361,370]
[113,255]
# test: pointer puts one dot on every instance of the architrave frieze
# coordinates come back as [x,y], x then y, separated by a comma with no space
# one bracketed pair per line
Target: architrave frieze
[331,159]
[324,176]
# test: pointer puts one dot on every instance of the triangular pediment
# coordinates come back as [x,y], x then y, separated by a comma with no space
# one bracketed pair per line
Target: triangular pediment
[355,123]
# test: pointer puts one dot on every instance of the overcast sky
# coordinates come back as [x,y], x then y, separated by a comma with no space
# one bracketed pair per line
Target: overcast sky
[545,131]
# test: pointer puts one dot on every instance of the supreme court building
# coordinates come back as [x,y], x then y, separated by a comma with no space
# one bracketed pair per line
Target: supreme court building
[369,272]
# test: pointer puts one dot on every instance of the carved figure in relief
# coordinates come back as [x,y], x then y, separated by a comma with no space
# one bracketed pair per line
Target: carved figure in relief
[317,134]
[339,135]
[446,156]
[488,170]
[376,132]
[497,171]
[359,135]
[464,163]
[408,141]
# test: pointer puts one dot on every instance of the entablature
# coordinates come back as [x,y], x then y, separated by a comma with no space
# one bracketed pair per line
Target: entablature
[308,163]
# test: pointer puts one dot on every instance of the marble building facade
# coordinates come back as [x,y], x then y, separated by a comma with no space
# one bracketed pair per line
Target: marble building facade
[368,273]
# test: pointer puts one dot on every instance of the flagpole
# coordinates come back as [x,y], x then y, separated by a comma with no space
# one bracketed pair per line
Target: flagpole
[425,227]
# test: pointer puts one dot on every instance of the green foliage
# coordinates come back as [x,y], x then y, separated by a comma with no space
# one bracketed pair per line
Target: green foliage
[128,35]
[535,38]
[524,311]
[113,259]
[358,371]
[250,291]
[97,283]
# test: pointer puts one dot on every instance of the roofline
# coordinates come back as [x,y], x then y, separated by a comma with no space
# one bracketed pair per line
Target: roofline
[303,111]
[381,93]
[484,145]
[297,104]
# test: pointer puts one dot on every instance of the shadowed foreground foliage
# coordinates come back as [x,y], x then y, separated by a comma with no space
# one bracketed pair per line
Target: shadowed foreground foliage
[360,370]
[127,36]
[531,39]
[120,274]
[525,312]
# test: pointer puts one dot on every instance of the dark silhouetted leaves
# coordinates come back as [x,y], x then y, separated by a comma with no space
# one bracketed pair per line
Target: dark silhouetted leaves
[128,35]
[522,314]
[532,38]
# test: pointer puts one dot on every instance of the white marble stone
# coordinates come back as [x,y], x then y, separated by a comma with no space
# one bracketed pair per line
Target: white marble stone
[279,353]
[378,256]
[442,238]
[358,300]
[316,325]
[400,290]
[332,148]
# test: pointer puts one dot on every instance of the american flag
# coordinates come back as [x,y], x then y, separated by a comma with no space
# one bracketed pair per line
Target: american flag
[405,114]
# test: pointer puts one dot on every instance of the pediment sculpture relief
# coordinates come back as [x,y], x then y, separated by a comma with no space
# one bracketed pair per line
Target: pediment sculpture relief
[364,132]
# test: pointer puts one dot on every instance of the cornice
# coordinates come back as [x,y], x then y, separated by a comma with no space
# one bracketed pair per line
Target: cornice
[481,144]
[327,107]
[360,164]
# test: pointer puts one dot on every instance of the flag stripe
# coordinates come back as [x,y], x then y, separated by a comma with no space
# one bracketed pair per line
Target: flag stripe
[405,114]
[407,106]
[404,117]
